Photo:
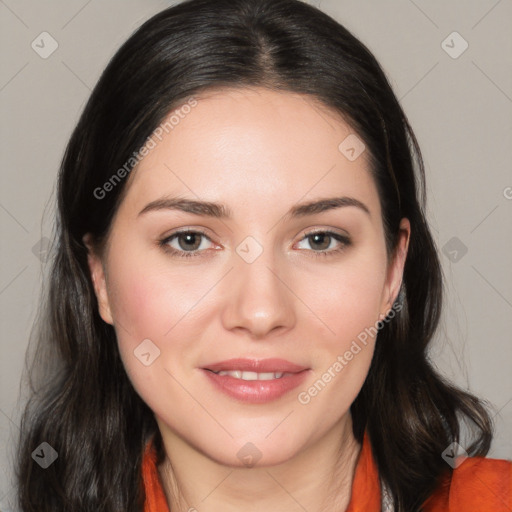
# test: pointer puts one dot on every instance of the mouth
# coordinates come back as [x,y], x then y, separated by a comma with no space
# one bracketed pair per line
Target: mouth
[250,376]
[258,366]
[255,381]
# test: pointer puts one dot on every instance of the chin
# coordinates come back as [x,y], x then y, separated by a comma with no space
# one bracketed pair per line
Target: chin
[251,455]
[256,450]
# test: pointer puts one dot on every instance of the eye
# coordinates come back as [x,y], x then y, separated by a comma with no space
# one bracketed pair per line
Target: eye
[185,243]
[324,243]
[188,243]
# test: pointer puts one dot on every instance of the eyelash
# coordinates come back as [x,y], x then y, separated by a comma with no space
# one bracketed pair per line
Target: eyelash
[345,241]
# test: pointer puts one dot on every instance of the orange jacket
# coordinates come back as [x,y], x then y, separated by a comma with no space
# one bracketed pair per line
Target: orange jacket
[477,485]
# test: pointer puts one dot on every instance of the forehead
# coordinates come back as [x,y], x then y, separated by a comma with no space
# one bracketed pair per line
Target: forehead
[254,147]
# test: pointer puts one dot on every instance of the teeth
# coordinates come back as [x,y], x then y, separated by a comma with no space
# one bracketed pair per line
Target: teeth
[251,375]
[269,376]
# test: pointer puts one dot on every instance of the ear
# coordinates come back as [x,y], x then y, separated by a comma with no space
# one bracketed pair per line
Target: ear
[396,268]
[97,271]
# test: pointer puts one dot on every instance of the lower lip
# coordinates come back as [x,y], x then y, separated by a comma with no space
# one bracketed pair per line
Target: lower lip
[256,391]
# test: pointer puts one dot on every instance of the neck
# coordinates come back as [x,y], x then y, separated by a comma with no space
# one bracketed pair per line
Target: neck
[317,479]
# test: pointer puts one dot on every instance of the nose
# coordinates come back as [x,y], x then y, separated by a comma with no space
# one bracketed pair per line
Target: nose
[258,297]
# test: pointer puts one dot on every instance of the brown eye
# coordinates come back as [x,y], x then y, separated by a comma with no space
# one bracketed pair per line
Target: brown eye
[320,241]
[186,243]
[189,241]
[325,242]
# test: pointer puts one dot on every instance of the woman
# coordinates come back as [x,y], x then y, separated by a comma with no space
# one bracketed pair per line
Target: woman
[244,286]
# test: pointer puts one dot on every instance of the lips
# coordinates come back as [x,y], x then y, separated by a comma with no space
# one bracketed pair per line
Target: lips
[255,381]
[237,374]
[256,365]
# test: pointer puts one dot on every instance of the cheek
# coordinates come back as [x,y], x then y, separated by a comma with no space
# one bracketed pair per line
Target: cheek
[152,315]
[348,301]
[346,298]
[149,297]
[150,302]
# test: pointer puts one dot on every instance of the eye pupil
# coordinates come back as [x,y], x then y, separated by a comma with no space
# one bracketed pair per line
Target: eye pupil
[322,239]
[190,238]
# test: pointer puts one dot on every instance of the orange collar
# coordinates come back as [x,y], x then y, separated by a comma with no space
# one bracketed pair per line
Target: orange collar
[366,494]
[479,484]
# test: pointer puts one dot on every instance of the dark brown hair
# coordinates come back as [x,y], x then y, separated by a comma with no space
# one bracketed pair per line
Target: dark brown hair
[84,406]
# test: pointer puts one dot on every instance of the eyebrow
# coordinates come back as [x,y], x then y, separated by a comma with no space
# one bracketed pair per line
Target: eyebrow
[220,211]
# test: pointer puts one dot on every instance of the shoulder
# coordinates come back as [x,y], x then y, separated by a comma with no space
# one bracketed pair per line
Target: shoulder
[477,485]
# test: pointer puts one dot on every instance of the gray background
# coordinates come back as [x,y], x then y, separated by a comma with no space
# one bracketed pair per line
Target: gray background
[460,109]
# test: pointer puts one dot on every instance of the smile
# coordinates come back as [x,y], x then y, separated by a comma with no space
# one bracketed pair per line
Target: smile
[255,381]
[237,374]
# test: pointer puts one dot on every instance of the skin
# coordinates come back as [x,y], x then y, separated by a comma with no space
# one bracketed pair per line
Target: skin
[259,152]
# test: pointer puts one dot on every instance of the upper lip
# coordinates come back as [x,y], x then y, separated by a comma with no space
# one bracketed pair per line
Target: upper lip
[256,365]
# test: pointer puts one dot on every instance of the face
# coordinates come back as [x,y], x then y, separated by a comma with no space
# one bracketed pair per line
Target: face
[249,315]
